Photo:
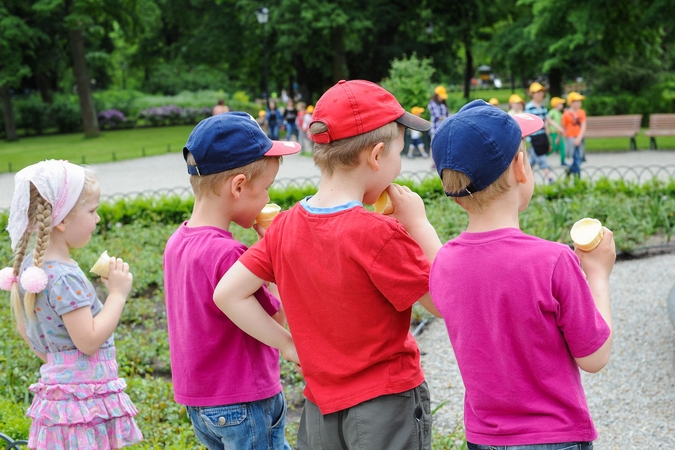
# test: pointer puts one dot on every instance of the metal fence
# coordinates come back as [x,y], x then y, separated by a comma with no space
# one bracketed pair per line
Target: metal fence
[633,174]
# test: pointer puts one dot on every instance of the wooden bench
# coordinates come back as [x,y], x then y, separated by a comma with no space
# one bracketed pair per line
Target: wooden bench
[627,125]
[660,125]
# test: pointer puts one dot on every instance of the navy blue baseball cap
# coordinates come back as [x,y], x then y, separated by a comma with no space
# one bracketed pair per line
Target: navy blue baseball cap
[230,140]
[480,141]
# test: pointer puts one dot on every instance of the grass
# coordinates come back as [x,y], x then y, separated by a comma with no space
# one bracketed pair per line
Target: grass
[137,142]
[110,146]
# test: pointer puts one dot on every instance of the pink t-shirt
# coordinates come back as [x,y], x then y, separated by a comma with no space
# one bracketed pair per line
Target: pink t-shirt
[518,310]
[213,362]
[348,280]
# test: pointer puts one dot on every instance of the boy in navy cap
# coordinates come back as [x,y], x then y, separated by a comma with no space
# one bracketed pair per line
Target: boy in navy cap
[349,278]
[228,380]
[521,315]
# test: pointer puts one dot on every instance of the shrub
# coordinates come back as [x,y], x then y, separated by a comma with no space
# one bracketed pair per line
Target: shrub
[111,118]
[66,114]
[32,114]
[410,81]
[125,101]
[172,78]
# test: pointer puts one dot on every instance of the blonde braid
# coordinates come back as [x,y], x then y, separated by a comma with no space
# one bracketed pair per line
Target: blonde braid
[15,296]
[43,227]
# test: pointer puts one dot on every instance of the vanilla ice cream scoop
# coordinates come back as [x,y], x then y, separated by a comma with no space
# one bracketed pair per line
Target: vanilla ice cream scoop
[268,213]
[383,204]
[587,234]
[102,266]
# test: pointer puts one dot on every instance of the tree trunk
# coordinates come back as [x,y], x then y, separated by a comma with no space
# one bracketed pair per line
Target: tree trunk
[8,113]
[89,119]
[468,73]
[555,82]
[43,83]
[340,71]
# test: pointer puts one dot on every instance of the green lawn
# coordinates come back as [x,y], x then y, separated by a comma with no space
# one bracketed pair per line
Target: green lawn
[111,145]
[135,143]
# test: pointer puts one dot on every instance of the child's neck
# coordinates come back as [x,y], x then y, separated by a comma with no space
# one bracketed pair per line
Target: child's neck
[502,213]
[338,189]
[207,214]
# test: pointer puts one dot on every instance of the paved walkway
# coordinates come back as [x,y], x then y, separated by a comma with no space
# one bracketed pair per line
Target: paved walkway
[168,171]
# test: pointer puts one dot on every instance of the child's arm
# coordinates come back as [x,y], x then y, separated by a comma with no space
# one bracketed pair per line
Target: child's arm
[89,333]
[21,328]
[234,297]
[597,265]
[551,123]
[280,316]
[409,210]
[582,133]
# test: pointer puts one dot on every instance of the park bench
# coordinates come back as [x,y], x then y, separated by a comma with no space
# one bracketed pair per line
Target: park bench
[660,125]
[627,125]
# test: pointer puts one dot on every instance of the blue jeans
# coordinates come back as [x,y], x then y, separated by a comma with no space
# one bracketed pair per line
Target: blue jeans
[247,426]
[562,446]
[273,131]
[575,168]
[291,129]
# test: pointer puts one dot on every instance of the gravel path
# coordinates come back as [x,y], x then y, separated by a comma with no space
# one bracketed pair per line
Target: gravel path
[632,400]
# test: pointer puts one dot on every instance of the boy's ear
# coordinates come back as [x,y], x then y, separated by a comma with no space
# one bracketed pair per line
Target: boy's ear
[236,185]
[373,155]
[518,168]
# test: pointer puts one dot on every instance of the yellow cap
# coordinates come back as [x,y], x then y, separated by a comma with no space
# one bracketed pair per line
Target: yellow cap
[417,110]
[262,113]
[574,96]
[536,87]
[493,101]
[555,101]
[515,98]
[310,109]
[441,92]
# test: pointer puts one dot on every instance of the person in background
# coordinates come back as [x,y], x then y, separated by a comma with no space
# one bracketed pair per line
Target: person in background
[220,108]
[494,102]
[416,137]
[274,120]
[557,137]
[540,144]
[516,104]
[290,115]
[306,120]
[574,122]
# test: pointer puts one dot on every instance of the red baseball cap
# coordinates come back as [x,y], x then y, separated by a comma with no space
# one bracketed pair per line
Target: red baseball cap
[355,107]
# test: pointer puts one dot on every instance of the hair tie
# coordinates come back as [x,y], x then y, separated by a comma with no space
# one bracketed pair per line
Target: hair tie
[34,280]
[7,279]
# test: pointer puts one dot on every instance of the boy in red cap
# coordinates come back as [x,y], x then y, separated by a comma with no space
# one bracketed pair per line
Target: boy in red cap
[521,314]
[349,278]
[228,381]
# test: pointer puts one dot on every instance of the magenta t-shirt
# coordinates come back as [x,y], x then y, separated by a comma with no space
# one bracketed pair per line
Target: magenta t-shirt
[518,310]
[213,362]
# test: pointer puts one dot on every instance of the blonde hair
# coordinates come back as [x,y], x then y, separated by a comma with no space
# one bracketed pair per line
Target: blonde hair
[40,224]
[344,153]
[454,181]
[210,184]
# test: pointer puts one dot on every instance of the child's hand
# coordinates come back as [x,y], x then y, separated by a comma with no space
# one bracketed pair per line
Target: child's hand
[290,353]
[408,206]
[119,278]
[600,261]
[259,230]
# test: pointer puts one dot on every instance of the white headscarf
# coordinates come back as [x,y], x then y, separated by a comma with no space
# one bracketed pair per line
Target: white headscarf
[59,182]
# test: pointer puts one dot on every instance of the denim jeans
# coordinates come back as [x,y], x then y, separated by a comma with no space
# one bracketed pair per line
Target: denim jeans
[291,129]
[575,168]
[561,446]
[273,131]
[246,426]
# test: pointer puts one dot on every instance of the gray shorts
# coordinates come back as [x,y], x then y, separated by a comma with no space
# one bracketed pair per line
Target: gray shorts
[390,422]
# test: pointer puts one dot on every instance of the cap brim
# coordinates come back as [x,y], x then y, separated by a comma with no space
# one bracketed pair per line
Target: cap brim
[283,148]
[414,122]
[529,123]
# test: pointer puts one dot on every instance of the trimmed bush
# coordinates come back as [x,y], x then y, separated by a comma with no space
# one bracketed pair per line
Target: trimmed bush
[66,114]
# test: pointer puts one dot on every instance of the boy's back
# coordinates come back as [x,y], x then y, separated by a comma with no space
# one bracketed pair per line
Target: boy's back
[516,304]
[349,279]
[204,343]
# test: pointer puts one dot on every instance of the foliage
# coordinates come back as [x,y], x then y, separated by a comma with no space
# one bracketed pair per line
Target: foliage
[66,114]
[111,118]
[410,81]
[13,420]
[33,114]
[171,79]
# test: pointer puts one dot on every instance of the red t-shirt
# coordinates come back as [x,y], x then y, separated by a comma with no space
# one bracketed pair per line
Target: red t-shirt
[572,120]
[347,280]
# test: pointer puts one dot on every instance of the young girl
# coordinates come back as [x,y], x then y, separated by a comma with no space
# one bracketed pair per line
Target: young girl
[79,400]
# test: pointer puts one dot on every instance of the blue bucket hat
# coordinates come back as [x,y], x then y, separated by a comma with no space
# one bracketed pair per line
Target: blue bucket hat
[480,141]
[230,140]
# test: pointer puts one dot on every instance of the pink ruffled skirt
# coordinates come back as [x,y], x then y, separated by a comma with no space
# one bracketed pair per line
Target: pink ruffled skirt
[80,403]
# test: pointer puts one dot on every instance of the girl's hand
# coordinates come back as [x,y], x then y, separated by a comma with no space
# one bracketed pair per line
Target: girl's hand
[119,279]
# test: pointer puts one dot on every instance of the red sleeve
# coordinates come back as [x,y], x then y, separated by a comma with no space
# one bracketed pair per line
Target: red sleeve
[401,270]
[257,260]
